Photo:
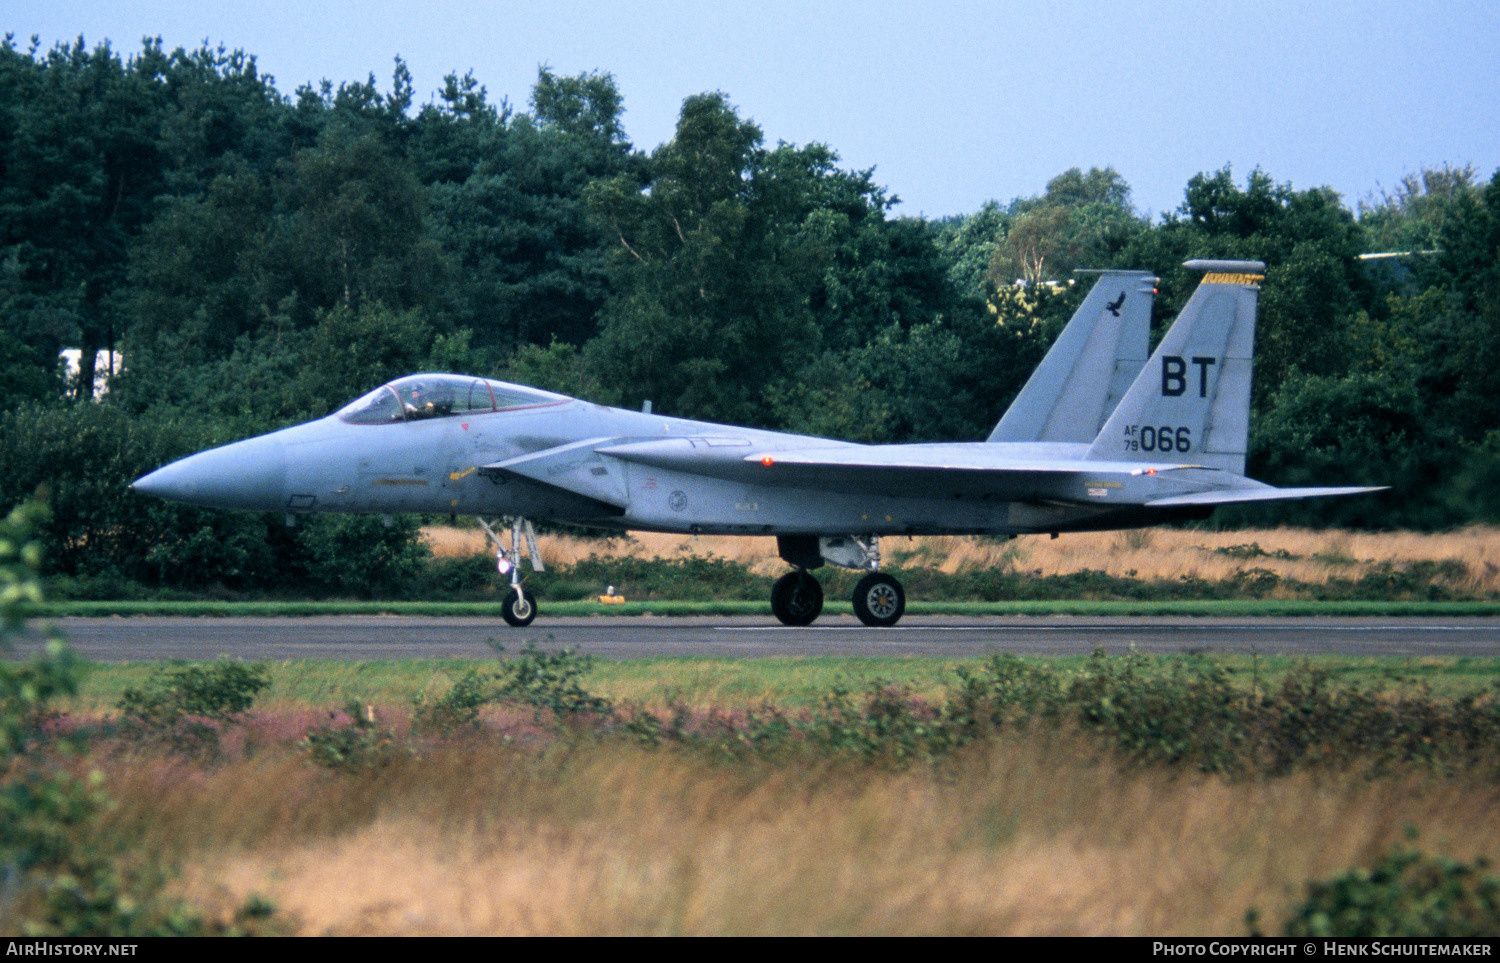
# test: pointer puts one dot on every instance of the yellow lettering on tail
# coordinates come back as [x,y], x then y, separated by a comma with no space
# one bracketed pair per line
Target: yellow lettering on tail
[1221,278]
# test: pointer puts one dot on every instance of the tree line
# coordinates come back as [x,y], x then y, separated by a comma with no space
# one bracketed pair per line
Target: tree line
[259,258]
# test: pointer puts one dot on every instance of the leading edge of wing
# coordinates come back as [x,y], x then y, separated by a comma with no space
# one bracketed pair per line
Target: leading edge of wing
[955,458]
[1237,496]
[955,473]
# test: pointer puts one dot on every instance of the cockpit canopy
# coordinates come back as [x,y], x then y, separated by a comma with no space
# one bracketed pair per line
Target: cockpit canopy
[422,396]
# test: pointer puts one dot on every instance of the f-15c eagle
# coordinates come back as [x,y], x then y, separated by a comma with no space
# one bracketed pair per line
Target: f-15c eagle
[1100,437]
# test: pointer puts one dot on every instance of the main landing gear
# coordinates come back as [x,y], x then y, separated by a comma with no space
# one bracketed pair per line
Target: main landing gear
[879,600]
[797,598]
[519,606]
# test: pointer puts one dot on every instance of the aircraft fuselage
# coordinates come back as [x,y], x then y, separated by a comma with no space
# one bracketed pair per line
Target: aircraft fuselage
[436,466]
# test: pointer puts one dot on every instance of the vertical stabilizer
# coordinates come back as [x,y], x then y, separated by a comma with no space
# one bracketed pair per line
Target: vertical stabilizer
[1089,367]
[1191,403]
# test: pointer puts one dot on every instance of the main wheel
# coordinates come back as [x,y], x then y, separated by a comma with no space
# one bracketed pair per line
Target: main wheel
[879,600]
[518,609]
[796,598]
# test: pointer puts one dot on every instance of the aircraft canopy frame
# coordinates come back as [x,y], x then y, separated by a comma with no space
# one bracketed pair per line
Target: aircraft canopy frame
[424,396]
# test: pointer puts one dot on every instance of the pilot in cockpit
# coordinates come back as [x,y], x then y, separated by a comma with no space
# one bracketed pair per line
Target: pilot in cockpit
[415,403]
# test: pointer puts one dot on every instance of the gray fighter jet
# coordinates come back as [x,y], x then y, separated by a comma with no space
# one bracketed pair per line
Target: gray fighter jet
[1099,438]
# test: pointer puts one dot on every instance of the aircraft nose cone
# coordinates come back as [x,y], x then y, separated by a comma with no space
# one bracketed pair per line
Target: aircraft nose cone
[247,474]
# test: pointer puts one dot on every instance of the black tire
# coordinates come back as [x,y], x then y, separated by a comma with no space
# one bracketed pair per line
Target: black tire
[796,599]
[518,609]
[879,600]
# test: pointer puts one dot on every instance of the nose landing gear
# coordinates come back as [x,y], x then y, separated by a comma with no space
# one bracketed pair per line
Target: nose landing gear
[518,608]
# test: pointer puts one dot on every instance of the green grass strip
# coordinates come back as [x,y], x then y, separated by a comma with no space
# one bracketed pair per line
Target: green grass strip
[792,681]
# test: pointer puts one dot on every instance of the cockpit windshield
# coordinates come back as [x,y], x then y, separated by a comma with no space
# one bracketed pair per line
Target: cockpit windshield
[418,397]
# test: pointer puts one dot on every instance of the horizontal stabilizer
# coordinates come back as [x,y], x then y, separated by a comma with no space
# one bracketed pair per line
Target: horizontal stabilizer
[1236,496]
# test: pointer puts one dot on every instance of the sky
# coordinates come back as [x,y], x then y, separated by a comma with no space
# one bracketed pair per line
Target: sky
[951,103]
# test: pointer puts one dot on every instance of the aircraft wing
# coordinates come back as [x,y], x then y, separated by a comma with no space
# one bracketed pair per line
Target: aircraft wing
[591,468]
[926,470]
[1268,494]
[941,469]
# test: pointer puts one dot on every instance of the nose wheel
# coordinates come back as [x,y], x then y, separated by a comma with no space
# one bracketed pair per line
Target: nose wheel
[879,600]
[519,609]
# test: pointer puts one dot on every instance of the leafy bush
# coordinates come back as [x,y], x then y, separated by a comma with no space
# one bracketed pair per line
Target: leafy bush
[26,689]
[692,578]
[550,681]
[357,555]
[1187,712]
[1253,550]
[457,708]
[545,681]
[220,691]
[58,881]
[186,705]
[109,541]
[355,746]
[84,457]
[1406,894]
[1196,714]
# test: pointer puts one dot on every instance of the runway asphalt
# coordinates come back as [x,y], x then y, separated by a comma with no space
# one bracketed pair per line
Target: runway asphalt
[408,637]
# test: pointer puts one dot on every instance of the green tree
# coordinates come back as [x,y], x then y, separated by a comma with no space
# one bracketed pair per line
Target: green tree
[25,375]
[1460,366]
[1313,284]
[351,228]
[967,244]
[80,166]
[194,289]
[558,367]
[81,459]
[352,351]
[238,279]
[507,204]
[749,278]
[1351,430]
[1083,220]
[707,313]
[1413,215]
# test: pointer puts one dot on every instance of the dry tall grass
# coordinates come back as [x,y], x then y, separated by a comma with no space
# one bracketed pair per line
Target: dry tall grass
[1031,835]
[1146,553]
